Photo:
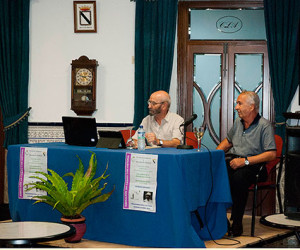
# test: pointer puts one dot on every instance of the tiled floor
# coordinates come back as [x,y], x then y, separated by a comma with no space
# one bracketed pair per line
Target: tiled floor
[289,242]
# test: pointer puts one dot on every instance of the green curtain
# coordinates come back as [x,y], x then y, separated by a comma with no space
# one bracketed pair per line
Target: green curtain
[282,28]
[155,28]
[14,69]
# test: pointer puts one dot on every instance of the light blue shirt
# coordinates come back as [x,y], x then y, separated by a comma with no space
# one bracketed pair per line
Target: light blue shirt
[256,139]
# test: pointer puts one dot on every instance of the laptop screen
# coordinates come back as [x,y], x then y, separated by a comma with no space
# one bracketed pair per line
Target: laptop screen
[110,139]
[80,131]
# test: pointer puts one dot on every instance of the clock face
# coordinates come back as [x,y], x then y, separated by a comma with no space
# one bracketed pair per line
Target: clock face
[84,77]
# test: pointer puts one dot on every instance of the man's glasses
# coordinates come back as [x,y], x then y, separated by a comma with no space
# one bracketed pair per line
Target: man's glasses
[154,103]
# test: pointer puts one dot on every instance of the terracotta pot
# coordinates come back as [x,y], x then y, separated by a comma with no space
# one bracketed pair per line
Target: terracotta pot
[79,225]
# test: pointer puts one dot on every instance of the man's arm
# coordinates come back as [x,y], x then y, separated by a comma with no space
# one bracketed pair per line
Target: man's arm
[177,134]
[263,157]
[170,144]
[151,138]
[224,145]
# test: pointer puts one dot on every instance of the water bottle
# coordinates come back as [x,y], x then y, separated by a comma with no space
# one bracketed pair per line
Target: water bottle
[141,138]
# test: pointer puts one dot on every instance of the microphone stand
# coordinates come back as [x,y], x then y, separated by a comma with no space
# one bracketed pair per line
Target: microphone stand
[184,146]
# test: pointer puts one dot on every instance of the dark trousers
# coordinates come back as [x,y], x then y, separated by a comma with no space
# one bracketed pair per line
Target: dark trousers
[240,180]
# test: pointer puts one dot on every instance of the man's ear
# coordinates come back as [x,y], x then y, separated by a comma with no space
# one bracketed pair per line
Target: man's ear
[165,105]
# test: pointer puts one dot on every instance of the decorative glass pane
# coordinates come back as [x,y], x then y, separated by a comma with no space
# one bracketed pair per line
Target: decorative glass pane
[248,74]
[206,94]
[227,24]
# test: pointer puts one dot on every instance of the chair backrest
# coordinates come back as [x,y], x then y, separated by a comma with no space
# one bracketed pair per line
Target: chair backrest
[191,139]
[126,134]
[279,144]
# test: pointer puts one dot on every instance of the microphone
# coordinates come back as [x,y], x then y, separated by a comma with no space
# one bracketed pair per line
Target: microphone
[189,121]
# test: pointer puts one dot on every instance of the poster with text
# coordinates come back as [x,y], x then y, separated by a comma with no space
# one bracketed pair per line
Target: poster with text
[140,182]
[31,160]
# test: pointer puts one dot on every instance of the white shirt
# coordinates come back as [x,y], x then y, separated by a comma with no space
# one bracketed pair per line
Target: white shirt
[168,129]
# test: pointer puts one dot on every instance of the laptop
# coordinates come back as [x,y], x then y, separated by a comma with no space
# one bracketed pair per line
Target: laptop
[110,139]
[80,131]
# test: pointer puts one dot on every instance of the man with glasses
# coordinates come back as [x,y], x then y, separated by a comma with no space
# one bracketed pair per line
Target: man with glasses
[251,144]
[162,126]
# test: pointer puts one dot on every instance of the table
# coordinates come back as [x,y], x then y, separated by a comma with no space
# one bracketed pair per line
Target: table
[282,221]
[29,232]
[187,181]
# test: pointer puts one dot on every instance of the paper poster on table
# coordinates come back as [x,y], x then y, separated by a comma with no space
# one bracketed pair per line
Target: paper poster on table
[31,160]
[140,182]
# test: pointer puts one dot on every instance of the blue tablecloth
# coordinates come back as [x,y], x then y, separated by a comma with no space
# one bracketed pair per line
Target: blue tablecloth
[187,180]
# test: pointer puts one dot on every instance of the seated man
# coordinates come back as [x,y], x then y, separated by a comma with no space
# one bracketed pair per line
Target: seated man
[162,127]
[251,142]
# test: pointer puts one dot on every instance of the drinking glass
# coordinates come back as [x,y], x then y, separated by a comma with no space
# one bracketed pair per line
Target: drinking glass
[199,134]
[130,141]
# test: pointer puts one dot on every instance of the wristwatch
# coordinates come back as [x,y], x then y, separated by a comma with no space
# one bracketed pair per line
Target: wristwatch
[160,142]
[246,161]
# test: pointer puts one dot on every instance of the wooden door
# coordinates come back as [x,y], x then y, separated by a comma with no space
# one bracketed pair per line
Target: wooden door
[216,75]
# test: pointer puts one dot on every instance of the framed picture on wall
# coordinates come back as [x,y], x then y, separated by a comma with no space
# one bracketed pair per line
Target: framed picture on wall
[85,19]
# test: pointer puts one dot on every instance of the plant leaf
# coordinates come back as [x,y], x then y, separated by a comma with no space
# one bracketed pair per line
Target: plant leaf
[85,190]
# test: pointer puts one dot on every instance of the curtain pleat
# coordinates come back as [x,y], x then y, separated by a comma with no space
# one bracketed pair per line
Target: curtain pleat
[155,29]
[14,69]
[282,28]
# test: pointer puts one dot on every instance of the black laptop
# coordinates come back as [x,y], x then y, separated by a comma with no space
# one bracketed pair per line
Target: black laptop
[110,139]
[80,131]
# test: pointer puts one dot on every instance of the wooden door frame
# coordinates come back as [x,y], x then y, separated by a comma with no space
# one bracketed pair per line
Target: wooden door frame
[259,48]
[227,81]
[183,42]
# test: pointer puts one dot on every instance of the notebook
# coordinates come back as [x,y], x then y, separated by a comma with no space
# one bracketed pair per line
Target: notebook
[80,131]
[110,139]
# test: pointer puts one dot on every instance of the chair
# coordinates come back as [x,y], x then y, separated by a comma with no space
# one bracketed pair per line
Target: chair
[126,134]
[269,184]
[191,139]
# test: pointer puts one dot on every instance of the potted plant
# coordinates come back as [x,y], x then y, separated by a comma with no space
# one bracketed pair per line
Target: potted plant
[85,191]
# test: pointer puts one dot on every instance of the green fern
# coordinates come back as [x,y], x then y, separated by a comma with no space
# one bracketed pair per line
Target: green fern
[85,189]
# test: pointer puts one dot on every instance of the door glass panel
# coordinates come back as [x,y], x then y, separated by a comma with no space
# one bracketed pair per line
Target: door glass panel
[206,95]
[248,75]
[241,24]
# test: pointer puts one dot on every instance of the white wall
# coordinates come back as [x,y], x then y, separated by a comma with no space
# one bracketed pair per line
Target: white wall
[53,46]
[295,102]
[294,107]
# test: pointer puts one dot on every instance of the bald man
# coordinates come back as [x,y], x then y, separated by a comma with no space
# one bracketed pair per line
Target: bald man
[162,127]
[251,143]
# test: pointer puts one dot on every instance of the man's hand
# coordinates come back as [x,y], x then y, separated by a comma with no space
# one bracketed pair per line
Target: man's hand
[151,138]
[237,163]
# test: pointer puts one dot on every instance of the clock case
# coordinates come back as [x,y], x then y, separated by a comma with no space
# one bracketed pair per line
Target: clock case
[83,99]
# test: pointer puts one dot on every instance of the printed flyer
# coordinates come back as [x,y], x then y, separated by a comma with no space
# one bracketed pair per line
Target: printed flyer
[140,182]
[31,160]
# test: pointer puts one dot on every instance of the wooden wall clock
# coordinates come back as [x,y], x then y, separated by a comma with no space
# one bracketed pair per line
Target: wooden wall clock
[84,86]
